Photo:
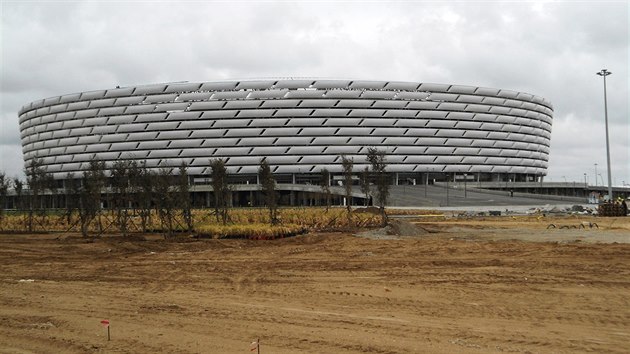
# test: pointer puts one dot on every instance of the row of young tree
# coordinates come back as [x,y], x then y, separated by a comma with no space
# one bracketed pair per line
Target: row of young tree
[133,191]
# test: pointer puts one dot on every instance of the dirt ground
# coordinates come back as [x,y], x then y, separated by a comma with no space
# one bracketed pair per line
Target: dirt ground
[458,286]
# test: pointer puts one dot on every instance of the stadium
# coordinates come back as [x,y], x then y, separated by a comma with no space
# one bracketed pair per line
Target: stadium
[430,132]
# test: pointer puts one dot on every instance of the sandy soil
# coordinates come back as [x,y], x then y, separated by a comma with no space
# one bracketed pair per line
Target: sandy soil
[464,286]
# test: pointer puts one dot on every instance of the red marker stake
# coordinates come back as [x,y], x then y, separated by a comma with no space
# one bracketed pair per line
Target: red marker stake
[106,324]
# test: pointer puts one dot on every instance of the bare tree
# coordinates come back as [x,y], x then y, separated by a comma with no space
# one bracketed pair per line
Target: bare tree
[221,190]
[165,200]
[268,186]
[325,184]
[144,194]
[36,184]
[183,196]
[347,165]
[364,182]
[4,188]
[90,194]
[121,179]
[377,159]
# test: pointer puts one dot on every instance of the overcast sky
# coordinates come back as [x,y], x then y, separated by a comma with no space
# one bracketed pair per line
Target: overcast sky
[550,49]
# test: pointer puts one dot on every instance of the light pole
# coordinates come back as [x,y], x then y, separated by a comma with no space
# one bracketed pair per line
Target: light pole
[603,73]
[585,182]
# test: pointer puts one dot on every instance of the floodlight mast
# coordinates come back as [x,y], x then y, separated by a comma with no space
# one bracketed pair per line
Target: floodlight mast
[603,73]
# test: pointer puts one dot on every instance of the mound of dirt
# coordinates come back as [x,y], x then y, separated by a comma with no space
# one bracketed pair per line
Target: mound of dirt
[395,229]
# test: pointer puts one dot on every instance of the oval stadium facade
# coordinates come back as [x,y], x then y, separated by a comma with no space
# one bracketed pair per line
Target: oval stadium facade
[300,126]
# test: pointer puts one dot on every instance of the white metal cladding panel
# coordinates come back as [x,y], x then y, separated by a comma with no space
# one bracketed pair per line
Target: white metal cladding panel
[110,111]
[366,113]
[185,143]
[441,123]
[378,122]
[504,144]
[178,134]
[164,153]
[168,107]
[229,95]
[207,133]
[72,124]
[394,104]
[199,152]
[305,122]
[440,150]
[128,101]
[305,150]
[420,159]
[389,131]
[108,102]
[433,114]
[121,119]
[160,98]
[194,96]
[367,85]
[244,132]
[342,94]
[280,104]
[256,141]
[499,110]
[129,128]
[219,114]
[354,131]
[61,159]
[426,132]
[220,142]
[508,152]
[69,98]
[282,160]
[92,95]
[270,122]
[411,122]
[477,108]
[42,111]
[79,131]
[139,109]
[342,122]
[255,84]
[203,106]
[293,84]
[317,103]
[149,89]
[181,115]
[332,112]
[450,133]
[97,148]
[264,151]
[412,95]
[70,166]
[123,146]
[281,131]
[232,151]
[242,104]
[482,143]
[331,84]
[232,123]
[58,108]
[318,131]
[244,160]
[317,159]
[150,145]
[353,103]
[340,150]
[305,94]
[367,140]
[182,87]
[498,135]
[54,126]
[388,95]
[294,141]
[82,157]
[86,113]
[400,113]
[293,112]
[256,113]
[399,141]
[449,159]
[89,139]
